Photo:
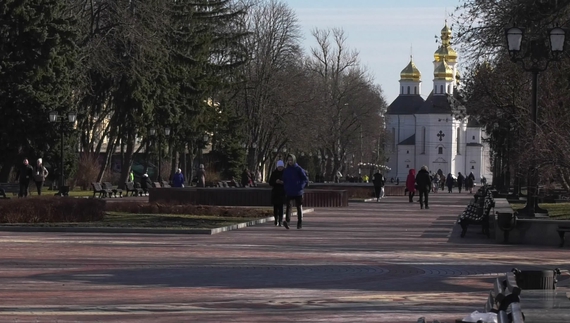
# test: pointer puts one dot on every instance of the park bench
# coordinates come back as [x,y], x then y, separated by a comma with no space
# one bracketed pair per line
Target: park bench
[109,186]
[13,188]
[504,300]
[156,185]
[130,187]
[477,212]
[165,184]
[103,192]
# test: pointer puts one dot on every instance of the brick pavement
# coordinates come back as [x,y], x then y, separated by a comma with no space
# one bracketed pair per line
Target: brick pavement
[371,262]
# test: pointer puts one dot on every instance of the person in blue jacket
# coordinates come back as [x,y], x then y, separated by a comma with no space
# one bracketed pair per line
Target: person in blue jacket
[294,182]
[178,179]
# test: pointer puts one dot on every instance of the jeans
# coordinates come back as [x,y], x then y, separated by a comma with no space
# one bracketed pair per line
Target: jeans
[39,186]
[424,198]
[24,186]
[278,213]
[378,191]
[411,196]
[299,204]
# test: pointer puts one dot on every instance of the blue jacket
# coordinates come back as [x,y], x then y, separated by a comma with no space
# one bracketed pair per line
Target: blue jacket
[178,180]
[294,180]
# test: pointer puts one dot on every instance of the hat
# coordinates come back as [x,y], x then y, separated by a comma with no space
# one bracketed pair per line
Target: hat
[145,175]
[280,163]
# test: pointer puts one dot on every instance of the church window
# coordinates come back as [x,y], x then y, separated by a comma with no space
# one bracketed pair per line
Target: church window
[402,90]
[415,90]
[472,167]
[423,140]
[441,89]
[393,139]
[407,166]
[473,137]
[459,141]
[407,151]
[440,150]
[408,90]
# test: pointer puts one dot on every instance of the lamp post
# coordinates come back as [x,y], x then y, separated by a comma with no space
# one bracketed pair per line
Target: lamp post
[166,133]
[535,59]
[71,117]
[205,139]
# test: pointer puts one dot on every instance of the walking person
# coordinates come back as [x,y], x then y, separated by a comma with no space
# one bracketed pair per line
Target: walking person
[178,178]
[145,184]
[201,176]
[378,180]
[469,183]
[277,192]
[449,183]
[460,181]
[294,182]
[40,174]
[435,183]
[25,173]
[423,182]
[411,184]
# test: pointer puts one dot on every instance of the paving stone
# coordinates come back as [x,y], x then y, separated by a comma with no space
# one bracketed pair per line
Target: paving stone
[370,262]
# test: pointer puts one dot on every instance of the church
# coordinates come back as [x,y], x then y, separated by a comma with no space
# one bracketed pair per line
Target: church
[426,131]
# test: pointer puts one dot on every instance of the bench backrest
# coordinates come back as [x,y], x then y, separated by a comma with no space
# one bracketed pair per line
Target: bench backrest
[130,186]
[156,185]
[97,186]
[10,187]
[107,185]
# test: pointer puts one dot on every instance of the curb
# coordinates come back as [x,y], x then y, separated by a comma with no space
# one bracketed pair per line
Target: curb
[141,230]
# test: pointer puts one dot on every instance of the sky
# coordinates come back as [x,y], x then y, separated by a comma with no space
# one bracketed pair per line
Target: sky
[384,32]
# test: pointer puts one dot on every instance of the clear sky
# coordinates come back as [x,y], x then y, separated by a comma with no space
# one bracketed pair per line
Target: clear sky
[383,32]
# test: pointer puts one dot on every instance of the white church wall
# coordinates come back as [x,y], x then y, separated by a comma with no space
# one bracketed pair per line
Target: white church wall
[407,161]
[473,161]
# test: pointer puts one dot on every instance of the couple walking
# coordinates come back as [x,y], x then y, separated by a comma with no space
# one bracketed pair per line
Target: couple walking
[288,185]
[420,182]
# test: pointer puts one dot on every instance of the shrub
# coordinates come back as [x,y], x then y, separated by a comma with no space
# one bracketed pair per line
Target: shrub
[155,208]
[87,171]
[51,209]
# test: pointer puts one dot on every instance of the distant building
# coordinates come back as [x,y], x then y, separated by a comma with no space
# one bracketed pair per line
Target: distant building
[426,132]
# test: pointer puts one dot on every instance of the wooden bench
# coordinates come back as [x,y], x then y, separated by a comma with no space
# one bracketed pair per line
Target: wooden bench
[561,232]
[130,187]
[97,188]
[165,184]
[109,186]
[504,296]
[13,188]
[156,185]
[483,209]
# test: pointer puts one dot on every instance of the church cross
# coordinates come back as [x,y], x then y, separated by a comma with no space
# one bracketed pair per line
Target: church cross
[441,135]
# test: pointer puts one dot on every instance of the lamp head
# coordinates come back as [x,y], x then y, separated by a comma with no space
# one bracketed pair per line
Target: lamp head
[514,37]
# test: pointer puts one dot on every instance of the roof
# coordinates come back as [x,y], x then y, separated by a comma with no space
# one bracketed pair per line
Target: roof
[411,141]
[405,104]
[435,104]
[473,123]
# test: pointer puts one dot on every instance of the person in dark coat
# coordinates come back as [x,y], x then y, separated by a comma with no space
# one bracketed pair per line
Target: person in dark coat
[145,183]
[201,176]
[469,183]
[277,192]
[449,183]
[411,184]
[25,173]
[178,179]
[423,183]
[294,182]
[378,180]
[245,178]
[460,181]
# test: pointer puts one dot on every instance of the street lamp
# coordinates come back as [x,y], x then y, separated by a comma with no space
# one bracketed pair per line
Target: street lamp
[534,59]
[71,118]
[166,132]
[204,143]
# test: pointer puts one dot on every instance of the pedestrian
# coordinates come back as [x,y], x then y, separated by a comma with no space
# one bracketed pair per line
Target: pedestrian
[245,178]
[411,184]
[460,181]
[470,182]
[378,180]
[423,183]
[397,181]
[25,173]
[277,192]
[131,178]
[435,183]
[40,174]
[449,183]
[145,184]
[178,178]
[201,176]
[294,182]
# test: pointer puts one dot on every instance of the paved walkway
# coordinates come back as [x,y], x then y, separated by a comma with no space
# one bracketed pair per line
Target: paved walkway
[371,262]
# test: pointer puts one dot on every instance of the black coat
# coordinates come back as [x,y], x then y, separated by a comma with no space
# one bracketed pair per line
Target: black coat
[278,192]
[423,180]
[25,173]
[378,180]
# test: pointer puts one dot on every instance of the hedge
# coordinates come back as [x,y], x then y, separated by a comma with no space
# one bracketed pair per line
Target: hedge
[50,209]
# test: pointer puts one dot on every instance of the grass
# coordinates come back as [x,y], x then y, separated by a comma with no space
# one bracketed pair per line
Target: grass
[558,211]
[142,220]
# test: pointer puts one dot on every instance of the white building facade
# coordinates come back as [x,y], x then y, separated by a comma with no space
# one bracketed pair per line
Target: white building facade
[425,131]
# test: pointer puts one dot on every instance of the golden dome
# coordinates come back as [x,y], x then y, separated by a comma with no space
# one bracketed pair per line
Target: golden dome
[410,72]
[443,72]
[445,52]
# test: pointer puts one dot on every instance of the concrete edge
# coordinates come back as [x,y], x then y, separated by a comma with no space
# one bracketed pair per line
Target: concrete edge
[4,228]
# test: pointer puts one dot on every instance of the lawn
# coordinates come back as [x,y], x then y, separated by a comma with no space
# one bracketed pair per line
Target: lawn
[559,211]
[142,220]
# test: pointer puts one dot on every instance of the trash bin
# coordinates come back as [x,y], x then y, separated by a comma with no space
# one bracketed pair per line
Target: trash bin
[536,279]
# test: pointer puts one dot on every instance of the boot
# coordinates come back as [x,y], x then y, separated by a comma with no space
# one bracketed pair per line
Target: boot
[299,224]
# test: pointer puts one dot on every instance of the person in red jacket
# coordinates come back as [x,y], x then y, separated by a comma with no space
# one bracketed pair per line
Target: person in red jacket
[411,184]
